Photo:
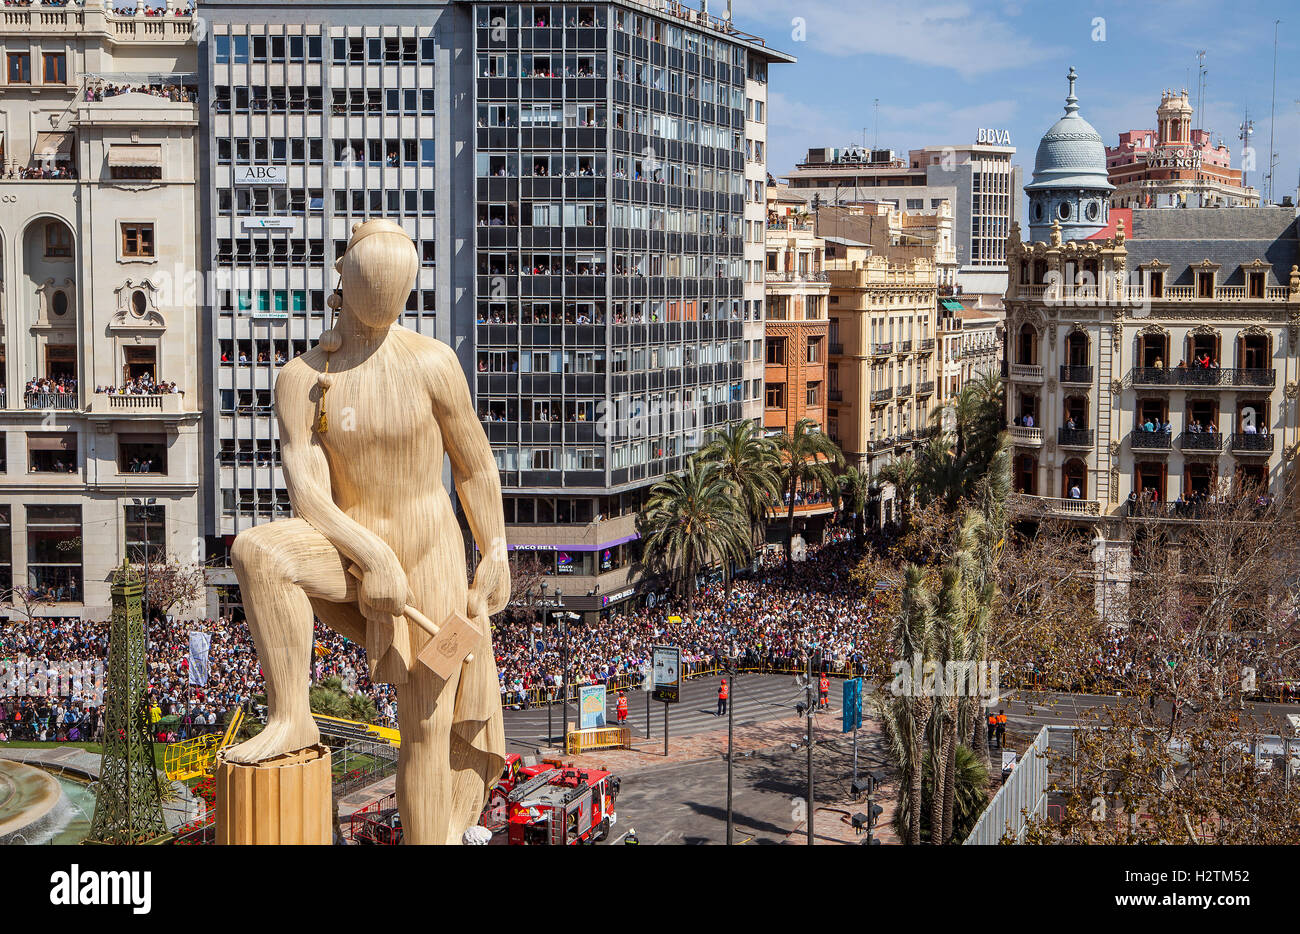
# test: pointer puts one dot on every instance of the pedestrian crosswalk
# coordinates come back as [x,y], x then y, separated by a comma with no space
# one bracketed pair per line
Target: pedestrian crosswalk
[755,699]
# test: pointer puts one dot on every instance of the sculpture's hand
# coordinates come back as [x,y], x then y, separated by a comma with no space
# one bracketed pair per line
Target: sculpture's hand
[491,590]
[384,589]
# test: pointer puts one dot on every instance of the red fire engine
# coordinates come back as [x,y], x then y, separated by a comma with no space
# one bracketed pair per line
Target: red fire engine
[498,806]
[562,807]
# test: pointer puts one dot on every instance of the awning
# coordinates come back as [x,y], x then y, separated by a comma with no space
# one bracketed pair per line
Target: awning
[135,157]
[950,305]
[52,145]
[51,442]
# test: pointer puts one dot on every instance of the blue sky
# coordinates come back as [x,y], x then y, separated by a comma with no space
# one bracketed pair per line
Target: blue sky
[943,69]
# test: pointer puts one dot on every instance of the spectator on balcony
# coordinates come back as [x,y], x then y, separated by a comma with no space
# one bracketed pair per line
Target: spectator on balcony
[1028,420]
[1069,423]
[1248,428]
[1148,425]
[1075,492]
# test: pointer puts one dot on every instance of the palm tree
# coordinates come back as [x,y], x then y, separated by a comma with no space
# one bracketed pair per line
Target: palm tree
[906,713]
[905,474]
[690,520]
[809,458]
[855,490]
[975,417]
[749,461]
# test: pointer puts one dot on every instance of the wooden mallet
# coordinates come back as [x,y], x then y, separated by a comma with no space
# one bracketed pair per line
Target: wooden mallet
[451,644]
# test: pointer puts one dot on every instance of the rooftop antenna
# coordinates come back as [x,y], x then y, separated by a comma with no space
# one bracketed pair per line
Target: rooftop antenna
[1272,156]
[1247,130]
[1200,89]
[876,106]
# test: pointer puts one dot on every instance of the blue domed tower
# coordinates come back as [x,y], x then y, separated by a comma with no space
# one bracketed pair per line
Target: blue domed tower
[1070,184]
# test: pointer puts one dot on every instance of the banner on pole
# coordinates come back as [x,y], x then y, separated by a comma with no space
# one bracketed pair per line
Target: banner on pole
[200,643]
[852,705]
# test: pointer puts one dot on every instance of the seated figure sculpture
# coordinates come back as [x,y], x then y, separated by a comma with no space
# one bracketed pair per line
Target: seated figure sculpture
[365,419]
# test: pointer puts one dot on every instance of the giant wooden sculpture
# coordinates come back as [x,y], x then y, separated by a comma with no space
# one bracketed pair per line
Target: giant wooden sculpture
[375,550]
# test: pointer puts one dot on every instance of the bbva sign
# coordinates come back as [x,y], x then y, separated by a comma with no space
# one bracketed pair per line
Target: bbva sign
[993,137]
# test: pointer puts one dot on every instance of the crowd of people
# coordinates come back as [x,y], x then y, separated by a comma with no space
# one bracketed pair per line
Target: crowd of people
[46,385]
[765,620]
[65,170]
[176,93]
[142,385]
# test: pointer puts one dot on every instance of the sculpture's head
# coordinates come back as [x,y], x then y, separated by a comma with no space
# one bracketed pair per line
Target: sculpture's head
[378,269]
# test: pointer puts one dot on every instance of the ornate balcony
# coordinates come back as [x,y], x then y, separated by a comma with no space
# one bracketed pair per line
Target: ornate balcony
[1076,374]
[926,388]
[1243,443]
[1055,506]
[1200,441]
[1198,376]
[882,395]
[1022,435]
[1026,371]
[881,350]
[1074,437]
[1140,440]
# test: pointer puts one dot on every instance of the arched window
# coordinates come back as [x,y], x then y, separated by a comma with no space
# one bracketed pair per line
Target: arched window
[1076,349]
[1074,479]
[1026,474]
[1027,345]
[59,305]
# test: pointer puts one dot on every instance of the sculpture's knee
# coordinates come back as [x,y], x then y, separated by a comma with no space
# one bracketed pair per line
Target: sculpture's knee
[255,556]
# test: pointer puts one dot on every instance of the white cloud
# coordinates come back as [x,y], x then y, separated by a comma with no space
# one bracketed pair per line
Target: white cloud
[951,35]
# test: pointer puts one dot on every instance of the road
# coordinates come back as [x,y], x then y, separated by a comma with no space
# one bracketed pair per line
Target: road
[755,698]
[759,698]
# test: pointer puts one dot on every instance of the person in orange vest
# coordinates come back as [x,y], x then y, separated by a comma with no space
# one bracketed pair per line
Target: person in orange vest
[622,707]
[993,726]
[1002,728]
[722,697]
[824,689]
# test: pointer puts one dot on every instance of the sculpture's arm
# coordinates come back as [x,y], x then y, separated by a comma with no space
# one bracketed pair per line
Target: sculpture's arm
[475,473]
[307,475]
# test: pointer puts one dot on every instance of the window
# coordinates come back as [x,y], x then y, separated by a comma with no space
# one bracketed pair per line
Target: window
[146,533]
[56,68]
[1204,284]
[776,396]
[137,240]
[50,452]
[54,552]
[142,453]
[58,240]
[20,68]
[776,351]
[1255,284]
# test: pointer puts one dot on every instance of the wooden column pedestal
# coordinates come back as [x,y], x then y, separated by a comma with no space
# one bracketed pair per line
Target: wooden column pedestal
[285,800]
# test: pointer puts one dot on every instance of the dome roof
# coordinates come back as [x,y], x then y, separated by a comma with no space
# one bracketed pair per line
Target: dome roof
[1071,154]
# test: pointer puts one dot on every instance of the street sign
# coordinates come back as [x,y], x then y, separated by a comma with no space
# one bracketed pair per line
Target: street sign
[852,705]
[667,673]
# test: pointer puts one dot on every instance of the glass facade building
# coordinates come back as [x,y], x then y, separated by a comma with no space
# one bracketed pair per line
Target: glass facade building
[585,185]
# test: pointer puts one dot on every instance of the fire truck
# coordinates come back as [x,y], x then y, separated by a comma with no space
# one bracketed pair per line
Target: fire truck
[562,807]
[498,807]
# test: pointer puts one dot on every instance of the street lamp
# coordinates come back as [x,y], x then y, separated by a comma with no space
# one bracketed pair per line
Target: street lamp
[732,668]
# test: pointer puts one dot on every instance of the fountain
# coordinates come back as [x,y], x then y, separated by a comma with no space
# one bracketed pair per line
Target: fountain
[26,795]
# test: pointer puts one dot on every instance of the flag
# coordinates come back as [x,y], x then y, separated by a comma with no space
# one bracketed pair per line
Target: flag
[198,658]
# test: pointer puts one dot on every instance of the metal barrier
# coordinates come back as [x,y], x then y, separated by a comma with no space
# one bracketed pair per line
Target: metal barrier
[631,681]
[604,737]
[1023,796]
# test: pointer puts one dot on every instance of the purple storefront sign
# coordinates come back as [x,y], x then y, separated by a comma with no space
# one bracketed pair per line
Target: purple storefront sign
[618,541]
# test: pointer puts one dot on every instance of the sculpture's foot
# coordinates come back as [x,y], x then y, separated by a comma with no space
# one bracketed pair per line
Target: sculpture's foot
[282,735]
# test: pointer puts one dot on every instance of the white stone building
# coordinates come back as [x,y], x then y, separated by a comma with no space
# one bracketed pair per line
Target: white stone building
[98,215]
